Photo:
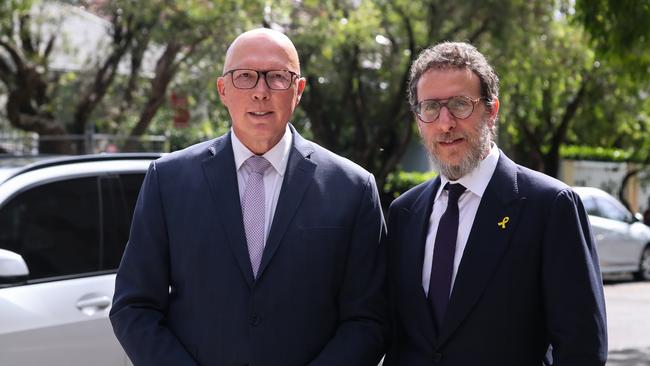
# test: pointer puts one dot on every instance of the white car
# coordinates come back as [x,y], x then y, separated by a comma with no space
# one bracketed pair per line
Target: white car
[64,223]
[622,238]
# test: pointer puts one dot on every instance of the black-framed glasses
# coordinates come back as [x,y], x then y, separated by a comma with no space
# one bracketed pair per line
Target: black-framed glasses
[275,79]
[460,107]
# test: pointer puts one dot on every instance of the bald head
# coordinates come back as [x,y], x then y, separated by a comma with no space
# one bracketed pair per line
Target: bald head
[259,40]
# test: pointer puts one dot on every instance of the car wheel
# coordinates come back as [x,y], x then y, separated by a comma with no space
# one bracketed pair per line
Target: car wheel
[644,266]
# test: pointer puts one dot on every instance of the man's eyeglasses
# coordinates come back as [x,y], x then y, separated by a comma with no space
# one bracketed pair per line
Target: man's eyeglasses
[275,79]
[460,107]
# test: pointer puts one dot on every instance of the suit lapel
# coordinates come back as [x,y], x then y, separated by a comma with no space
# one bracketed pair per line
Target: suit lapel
[298,176]
[413,242]
[486,245]
[220,172]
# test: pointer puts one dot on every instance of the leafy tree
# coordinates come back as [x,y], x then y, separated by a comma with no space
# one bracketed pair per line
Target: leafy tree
[356,56]
[177,29]
[544,84]
[561,80]
[619,30]
[620,33]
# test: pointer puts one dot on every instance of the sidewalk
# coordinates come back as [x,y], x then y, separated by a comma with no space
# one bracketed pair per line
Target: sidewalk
[630,357]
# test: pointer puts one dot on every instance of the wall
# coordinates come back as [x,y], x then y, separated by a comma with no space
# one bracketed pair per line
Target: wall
[608,176]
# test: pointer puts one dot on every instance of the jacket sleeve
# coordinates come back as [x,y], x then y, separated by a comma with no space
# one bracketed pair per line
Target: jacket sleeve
[362,331]
[395,335]
[142,287]
[573,291]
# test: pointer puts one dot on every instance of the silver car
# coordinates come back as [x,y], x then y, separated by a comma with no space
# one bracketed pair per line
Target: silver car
[64,223]
[623,240]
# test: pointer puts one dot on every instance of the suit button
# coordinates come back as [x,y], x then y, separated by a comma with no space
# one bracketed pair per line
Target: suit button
[255,320]
[437,357]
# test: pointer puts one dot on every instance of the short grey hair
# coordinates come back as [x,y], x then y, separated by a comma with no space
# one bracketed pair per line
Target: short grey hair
[454,55]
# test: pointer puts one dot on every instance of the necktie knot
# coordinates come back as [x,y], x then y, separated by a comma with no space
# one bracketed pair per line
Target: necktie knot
[258,164]
[455,191]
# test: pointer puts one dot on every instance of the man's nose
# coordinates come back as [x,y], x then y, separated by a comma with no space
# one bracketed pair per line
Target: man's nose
[446,121]
[261,91]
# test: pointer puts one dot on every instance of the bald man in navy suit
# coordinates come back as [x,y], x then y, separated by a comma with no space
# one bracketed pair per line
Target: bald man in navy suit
[259,247]
[490,263]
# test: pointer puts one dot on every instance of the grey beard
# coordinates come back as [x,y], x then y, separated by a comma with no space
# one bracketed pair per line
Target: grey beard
[471,161]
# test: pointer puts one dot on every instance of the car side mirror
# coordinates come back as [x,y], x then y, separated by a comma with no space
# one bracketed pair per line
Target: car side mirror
[13,268]
[638,217]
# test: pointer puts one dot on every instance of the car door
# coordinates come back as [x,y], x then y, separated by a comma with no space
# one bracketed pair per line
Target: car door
[600,230]
[618,245]
[71,233]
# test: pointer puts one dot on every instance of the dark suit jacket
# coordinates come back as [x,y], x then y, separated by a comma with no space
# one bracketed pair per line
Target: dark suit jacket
[518,289]
[185,293]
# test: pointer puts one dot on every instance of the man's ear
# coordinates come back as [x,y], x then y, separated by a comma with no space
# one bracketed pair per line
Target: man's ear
[494,112]
[221,88]
[302,82]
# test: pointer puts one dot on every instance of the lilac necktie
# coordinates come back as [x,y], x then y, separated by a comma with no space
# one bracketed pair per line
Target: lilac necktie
[443,255]
[253,209]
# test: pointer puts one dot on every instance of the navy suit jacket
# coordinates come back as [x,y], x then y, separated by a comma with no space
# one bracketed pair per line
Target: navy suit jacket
[185,293]
[518,288]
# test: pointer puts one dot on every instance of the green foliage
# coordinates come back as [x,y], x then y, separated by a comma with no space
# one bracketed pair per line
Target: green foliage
[577,152]
[541,76]
[616,26]
[549,55]
[400,181]
[557,89]
[356,56]
[619,30]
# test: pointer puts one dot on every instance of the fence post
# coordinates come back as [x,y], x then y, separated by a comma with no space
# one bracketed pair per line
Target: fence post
[89,141]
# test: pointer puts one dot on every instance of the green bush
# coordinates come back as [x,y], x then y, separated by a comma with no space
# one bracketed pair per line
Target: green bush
[576,152]
[400,182]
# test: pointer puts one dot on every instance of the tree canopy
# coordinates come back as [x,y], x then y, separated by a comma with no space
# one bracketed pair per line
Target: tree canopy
[571,72]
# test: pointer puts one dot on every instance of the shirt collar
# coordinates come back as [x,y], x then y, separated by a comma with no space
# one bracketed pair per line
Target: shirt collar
[477,180]
[278,156]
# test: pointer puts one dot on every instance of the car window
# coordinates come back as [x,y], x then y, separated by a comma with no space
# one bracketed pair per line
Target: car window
[118,198]
[70,227]
[612,211]
[54,226]
[590,206]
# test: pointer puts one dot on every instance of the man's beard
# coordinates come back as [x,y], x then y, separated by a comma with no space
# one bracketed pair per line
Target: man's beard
[478,146]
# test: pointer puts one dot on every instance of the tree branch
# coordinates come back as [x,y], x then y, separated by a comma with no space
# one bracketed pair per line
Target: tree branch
[122,37]
[48,50]
[166,68]
[569,113]
[15,56]
[26,34]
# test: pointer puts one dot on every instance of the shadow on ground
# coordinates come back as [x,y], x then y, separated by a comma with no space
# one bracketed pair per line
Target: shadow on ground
[629,357]
[617,278]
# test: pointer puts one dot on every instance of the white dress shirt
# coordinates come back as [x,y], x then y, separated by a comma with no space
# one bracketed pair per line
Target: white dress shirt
[475,182]
[278,157]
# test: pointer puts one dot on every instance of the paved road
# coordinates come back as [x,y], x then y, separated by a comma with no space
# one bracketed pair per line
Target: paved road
[628,322]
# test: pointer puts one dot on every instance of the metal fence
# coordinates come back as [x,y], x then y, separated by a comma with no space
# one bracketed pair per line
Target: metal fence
[29,143]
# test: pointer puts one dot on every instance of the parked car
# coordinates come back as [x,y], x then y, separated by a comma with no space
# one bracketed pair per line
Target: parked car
[622,238]
[64,223]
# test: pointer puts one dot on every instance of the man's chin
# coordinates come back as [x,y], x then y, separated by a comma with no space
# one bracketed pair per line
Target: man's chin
[451,170]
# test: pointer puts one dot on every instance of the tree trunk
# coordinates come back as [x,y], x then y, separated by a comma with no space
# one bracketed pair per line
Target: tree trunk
[166,68]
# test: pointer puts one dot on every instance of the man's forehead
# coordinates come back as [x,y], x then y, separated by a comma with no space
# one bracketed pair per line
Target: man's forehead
[441,83]
[456,74]
[263,46]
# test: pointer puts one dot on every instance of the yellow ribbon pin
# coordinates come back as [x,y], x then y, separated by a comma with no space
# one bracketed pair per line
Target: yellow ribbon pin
[503,222]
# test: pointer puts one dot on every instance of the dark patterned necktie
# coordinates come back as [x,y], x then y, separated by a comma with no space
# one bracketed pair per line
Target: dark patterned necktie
[443,255]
